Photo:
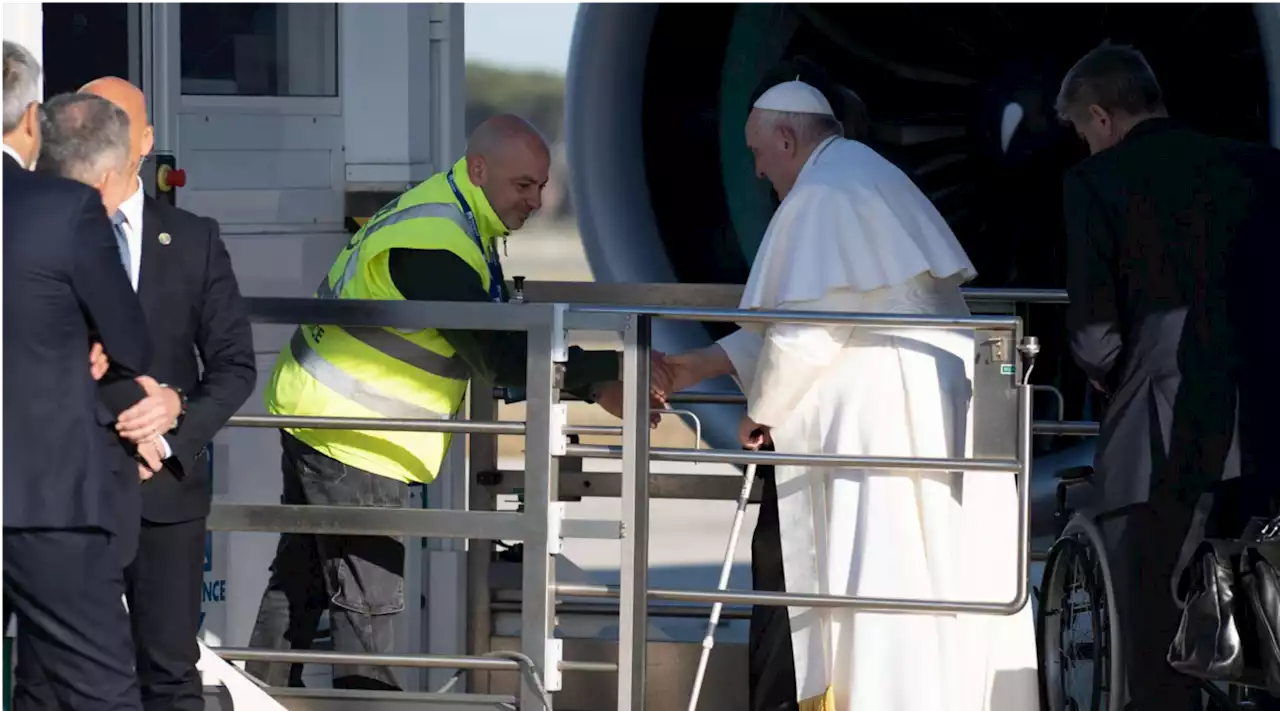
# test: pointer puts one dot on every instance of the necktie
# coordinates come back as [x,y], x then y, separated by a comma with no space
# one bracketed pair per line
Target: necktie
[117,223]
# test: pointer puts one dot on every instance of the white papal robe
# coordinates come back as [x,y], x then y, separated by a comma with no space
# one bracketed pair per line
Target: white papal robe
[855,235]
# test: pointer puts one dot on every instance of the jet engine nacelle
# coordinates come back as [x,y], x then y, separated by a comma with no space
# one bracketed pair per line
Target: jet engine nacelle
[959,96]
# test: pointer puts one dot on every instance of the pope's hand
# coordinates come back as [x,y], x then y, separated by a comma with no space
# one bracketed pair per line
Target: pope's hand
[752,435]
[98,363]
[609,396]
[686,370]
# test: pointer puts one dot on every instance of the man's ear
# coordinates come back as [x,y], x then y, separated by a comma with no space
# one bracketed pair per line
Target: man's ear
[477,170]
[148,141]
[31,120]
[787,137]
[1100,115]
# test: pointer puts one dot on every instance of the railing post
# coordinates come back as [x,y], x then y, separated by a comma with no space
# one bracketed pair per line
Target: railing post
[634,603]
[483,458]
[541,483]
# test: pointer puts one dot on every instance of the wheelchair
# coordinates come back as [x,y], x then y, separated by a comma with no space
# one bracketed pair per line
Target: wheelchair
[1076,595]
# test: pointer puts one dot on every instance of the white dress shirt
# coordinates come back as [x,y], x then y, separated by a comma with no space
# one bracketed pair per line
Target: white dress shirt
[8,150]
[131,208]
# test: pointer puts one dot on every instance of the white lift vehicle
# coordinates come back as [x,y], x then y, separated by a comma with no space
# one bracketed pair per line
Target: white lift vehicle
[284,118]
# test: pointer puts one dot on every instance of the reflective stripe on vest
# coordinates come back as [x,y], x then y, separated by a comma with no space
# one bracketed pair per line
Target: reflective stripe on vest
[380,339]
[348,387]
[410,353]
[448,211]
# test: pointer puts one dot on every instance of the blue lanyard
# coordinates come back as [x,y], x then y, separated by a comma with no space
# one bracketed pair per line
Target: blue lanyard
[495,266]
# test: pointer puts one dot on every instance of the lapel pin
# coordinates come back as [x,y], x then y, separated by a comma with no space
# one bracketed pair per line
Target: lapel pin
[164,238]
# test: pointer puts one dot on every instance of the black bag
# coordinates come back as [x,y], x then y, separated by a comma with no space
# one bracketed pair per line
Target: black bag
[1260,578]
[1230,597]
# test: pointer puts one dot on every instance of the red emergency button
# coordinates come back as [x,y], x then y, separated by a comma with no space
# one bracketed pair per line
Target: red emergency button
[169,178]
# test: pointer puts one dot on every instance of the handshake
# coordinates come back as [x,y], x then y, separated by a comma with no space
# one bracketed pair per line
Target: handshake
[671,374]
[668,374]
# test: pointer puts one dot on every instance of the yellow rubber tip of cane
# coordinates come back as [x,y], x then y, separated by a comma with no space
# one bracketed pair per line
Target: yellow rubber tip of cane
[825,702]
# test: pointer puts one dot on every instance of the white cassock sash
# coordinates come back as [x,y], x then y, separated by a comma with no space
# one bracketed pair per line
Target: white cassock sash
[853,225]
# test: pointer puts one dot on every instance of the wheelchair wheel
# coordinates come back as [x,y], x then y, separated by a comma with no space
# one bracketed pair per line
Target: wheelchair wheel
[1077,631]
[1218,699]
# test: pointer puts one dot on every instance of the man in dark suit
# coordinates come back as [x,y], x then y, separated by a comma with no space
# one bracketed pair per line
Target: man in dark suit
[203,342]
[62,571]
[1154,220]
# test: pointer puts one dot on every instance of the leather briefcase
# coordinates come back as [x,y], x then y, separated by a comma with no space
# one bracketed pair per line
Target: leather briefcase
[1260,586]
[1230,597]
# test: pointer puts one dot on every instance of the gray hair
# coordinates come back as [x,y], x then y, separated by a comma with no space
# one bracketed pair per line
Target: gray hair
[809,128]
[83,136]
[21,83]
[1114,77]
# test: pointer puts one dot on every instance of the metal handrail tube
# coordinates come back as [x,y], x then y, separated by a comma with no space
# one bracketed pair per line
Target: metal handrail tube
[1057,396]
[369,521]
[993,323]
[772,599]
[594,430]
[414,315]
[420,661]
[351,698]
[706,399]
[371,423]
[684,398]
[1067,428]
[1025,296]
[1077,428]
[378,521]
[725,456]
[1064,428]
[417,661]
[737,612]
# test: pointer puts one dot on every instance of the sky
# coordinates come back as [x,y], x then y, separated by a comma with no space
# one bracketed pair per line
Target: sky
[521,36]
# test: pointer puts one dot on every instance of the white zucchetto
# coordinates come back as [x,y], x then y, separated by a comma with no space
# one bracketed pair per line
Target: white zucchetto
[795,97]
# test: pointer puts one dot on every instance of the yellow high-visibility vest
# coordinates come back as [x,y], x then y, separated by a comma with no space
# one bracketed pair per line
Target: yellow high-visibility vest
[335,371]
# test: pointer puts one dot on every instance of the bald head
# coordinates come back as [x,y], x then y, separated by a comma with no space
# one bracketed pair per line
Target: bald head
[131,100]
[503,131]
[509,160]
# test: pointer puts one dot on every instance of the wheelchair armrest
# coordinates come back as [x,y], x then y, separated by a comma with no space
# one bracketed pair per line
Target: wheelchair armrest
[1074,475]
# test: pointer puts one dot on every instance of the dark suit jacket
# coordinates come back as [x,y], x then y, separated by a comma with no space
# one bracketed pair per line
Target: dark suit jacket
[1154,225]
[61,464]
[199,325]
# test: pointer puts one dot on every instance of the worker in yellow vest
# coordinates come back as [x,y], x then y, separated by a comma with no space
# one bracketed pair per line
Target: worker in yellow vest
[436,242]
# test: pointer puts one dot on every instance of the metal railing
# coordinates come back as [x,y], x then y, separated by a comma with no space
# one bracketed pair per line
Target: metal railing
[1055,428]
[541,526]
[634,592]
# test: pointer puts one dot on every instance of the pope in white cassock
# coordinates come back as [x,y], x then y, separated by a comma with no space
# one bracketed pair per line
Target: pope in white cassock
[854,234]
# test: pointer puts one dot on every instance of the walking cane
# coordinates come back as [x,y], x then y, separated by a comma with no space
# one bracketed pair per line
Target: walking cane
[710,640]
